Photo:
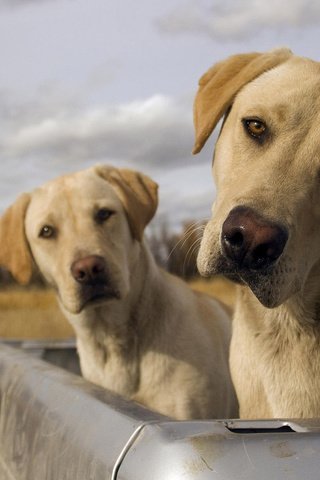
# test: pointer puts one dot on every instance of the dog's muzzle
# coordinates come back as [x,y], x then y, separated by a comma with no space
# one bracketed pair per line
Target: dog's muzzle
[91,274]
[250,242]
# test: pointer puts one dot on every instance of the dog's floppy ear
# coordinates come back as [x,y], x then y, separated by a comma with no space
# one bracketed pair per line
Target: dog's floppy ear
[220,84]
[138,194]
[15,255]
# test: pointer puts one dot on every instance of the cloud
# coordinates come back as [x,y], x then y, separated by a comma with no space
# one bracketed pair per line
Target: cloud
[157,130]
[22,3]
[48,136]
[186,194]
[231,19]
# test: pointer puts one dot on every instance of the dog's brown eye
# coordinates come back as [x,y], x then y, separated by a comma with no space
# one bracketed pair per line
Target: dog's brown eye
[103,214]
[255,128]
[47,231]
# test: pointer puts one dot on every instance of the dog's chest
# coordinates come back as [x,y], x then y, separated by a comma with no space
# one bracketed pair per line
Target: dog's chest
[110,363]
[276,371]
[284,370]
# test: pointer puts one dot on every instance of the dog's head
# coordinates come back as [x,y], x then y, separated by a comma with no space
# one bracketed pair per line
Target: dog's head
[264,230]
[82,231]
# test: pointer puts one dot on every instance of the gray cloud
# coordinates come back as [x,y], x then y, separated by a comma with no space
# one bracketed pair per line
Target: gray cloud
[186,194]
[52,134]
[230,19]
[154,131]
[22,3]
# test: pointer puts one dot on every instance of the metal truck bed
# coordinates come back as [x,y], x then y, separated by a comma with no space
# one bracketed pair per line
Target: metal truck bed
[56,426]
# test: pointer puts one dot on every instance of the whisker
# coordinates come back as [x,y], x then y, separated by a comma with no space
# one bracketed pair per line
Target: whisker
[189,254]
[190,230]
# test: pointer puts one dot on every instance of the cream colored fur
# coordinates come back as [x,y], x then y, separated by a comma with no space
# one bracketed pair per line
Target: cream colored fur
[275,348]
[155,340]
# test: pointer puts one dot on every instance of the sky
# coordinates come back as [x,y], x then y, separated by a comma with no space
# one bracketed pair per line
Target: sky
[93,81]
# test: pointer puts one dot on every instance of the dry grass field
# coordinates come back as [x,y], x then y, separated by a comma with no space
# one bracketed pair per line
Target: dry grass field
[217,287]
[31,314]
[34,313]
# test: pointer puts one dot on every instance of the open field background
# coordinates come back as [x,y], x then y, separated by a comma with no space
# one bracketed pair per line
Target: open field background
[31,314]
[34,313]
[218,287]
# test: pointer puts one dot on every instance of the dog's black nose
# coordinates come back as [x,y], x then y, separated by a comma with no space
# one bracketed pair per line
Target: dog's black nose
[251,241]
[89,269]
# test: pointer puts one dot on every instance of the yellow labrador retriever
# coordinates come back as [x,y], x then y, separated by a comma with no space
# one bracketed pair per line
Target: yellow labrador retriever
[140,331]
[265,226]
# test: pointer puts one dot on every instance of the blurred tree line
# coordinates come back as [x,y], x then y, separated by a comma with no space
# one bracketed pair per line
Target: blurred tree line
[176,252]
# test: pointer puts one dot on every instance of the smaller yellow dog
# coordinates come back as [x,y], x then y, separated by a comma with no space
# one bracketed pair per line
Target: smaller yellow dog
[140,331]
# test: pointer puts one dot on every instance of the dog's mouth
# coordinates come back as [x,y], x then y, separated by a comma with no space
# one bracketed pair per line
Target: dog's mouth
[94,284]
[243,274]
[261,282]
[90,295]
[97,293]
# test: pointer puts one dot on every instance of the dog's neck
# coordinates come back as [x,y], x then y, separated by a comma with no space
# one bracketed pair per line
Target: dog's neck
[301,312]
[109,336]
[278,351]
